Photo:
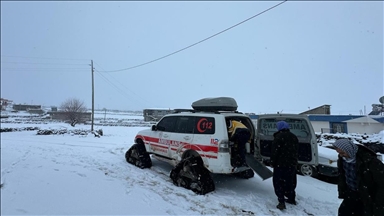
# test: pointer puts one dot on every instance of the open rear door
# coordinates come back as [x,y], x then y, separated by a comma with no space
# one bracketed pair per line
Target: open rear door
[298,124]
[257,166]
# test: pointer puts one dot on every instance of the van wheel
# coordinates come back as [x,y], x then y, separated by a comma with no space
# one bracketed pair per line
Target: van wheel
[138,156]
[191,174]
[308,170]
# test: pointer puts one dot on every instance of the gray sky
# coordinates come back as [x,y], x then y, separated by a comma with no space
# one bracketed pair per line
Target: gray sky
[296,56]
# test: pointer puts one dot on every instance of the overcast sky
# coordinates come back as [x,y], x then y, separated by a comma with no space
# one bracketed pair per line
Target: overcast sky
[297,56]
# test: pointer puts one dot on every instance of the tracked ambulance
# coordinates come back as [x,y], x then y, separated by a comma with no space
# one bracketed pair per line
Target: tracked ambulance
[196,142]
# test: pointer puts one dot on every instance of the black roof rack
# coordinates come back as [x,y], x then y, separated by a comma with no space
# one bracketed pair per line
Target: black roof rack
[194,111]
[183,110]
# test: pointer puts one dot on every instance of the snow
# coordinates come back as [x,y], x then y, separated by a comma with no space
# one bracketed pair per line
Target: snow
[84,175]
[327,153]
[381,134]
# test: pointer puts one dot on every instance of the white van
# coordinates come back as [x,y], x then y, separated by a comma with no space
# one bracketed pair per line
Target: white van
[298,125]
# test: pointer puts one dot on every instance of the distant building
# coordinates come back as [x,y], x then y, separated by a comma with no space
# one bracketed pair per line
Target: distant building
[323,122]
[324,109]
[25,107]
[36,111]
[346,124]
[155,114]
[63,116]
[4,103]
[343,123]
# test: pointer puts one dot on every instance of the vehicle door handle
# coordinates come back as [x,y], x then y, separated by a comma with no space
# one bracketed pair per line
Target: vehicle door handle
[165,135]
[187,137]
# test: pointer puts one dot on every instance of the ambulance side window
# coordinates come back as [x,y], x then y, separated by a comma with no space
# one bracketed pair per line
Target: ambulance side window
[204,125]
[167,124]
[185,124]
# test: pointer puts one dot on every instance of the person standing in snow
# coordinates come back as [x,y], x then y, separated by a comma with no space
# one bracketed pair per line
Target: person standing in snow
[361,180]
[240,135]
[284,160]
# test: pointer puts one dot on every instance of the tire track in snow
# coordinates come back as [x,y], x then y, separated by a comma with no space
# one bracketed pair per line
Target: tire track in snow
[156,180]
[9,169]
[171,193]
[59,143]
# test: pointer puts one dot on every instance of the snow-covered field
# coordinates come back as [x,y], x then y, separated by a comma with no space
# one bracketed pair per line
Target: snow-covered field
[72,174]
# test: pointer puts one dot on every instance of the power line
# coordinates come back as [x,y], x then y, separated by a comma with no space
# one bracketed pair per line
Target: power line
[70,59]
[138,96]
[120,84]
[38,69]
[129,68]
[4,62]
[108,81]
[123,85]
[16,66]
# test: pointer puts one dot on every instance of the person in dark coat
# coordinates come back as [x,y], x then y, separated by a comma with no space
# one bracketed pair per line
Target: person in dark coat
[284,160]
[240,135]
[361,180]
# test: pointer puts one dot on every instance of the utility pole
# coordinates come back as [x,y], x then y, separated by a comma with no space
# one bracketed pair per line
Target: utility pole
[93,95]
[105,113]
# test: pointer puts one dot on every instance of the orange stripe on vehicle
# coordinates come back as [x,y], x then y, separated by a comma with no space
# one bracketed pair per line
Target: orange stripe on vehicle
[196,147]
[151,139]
[160,146]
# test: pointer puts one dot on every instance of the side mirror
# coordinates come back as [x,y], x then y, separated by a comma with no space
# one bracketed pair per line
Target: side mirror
[154,127]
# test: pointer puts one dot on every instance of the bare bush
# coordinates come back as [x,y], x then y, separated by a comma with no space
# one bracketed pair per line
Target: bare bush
[73,109]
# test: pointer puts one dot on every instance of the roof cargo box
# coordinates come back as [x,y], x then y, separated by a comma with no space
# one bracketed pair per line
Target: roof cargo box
[215,104]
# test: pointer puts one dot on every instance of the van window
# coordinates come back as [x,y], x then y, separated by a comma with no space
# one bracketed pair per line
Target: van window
[204,125]
[296,126]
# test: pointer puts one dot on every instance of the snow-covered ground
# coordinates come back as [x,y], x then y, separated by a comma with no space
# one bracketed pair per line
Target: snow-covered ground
[72,174]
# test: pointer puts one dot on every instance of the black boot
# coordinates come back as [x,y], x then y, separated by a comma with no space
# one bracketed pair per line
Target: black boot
[292,202]
[281,206]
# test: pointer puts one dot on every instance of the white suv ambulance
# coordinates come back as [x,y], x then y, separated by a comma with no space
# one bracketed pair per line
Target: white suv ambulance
[196,142]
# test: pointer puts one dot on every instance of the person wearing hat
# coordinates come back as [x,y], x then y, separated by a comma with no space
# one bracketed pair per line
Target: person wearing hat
[361,180]
[284,160]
